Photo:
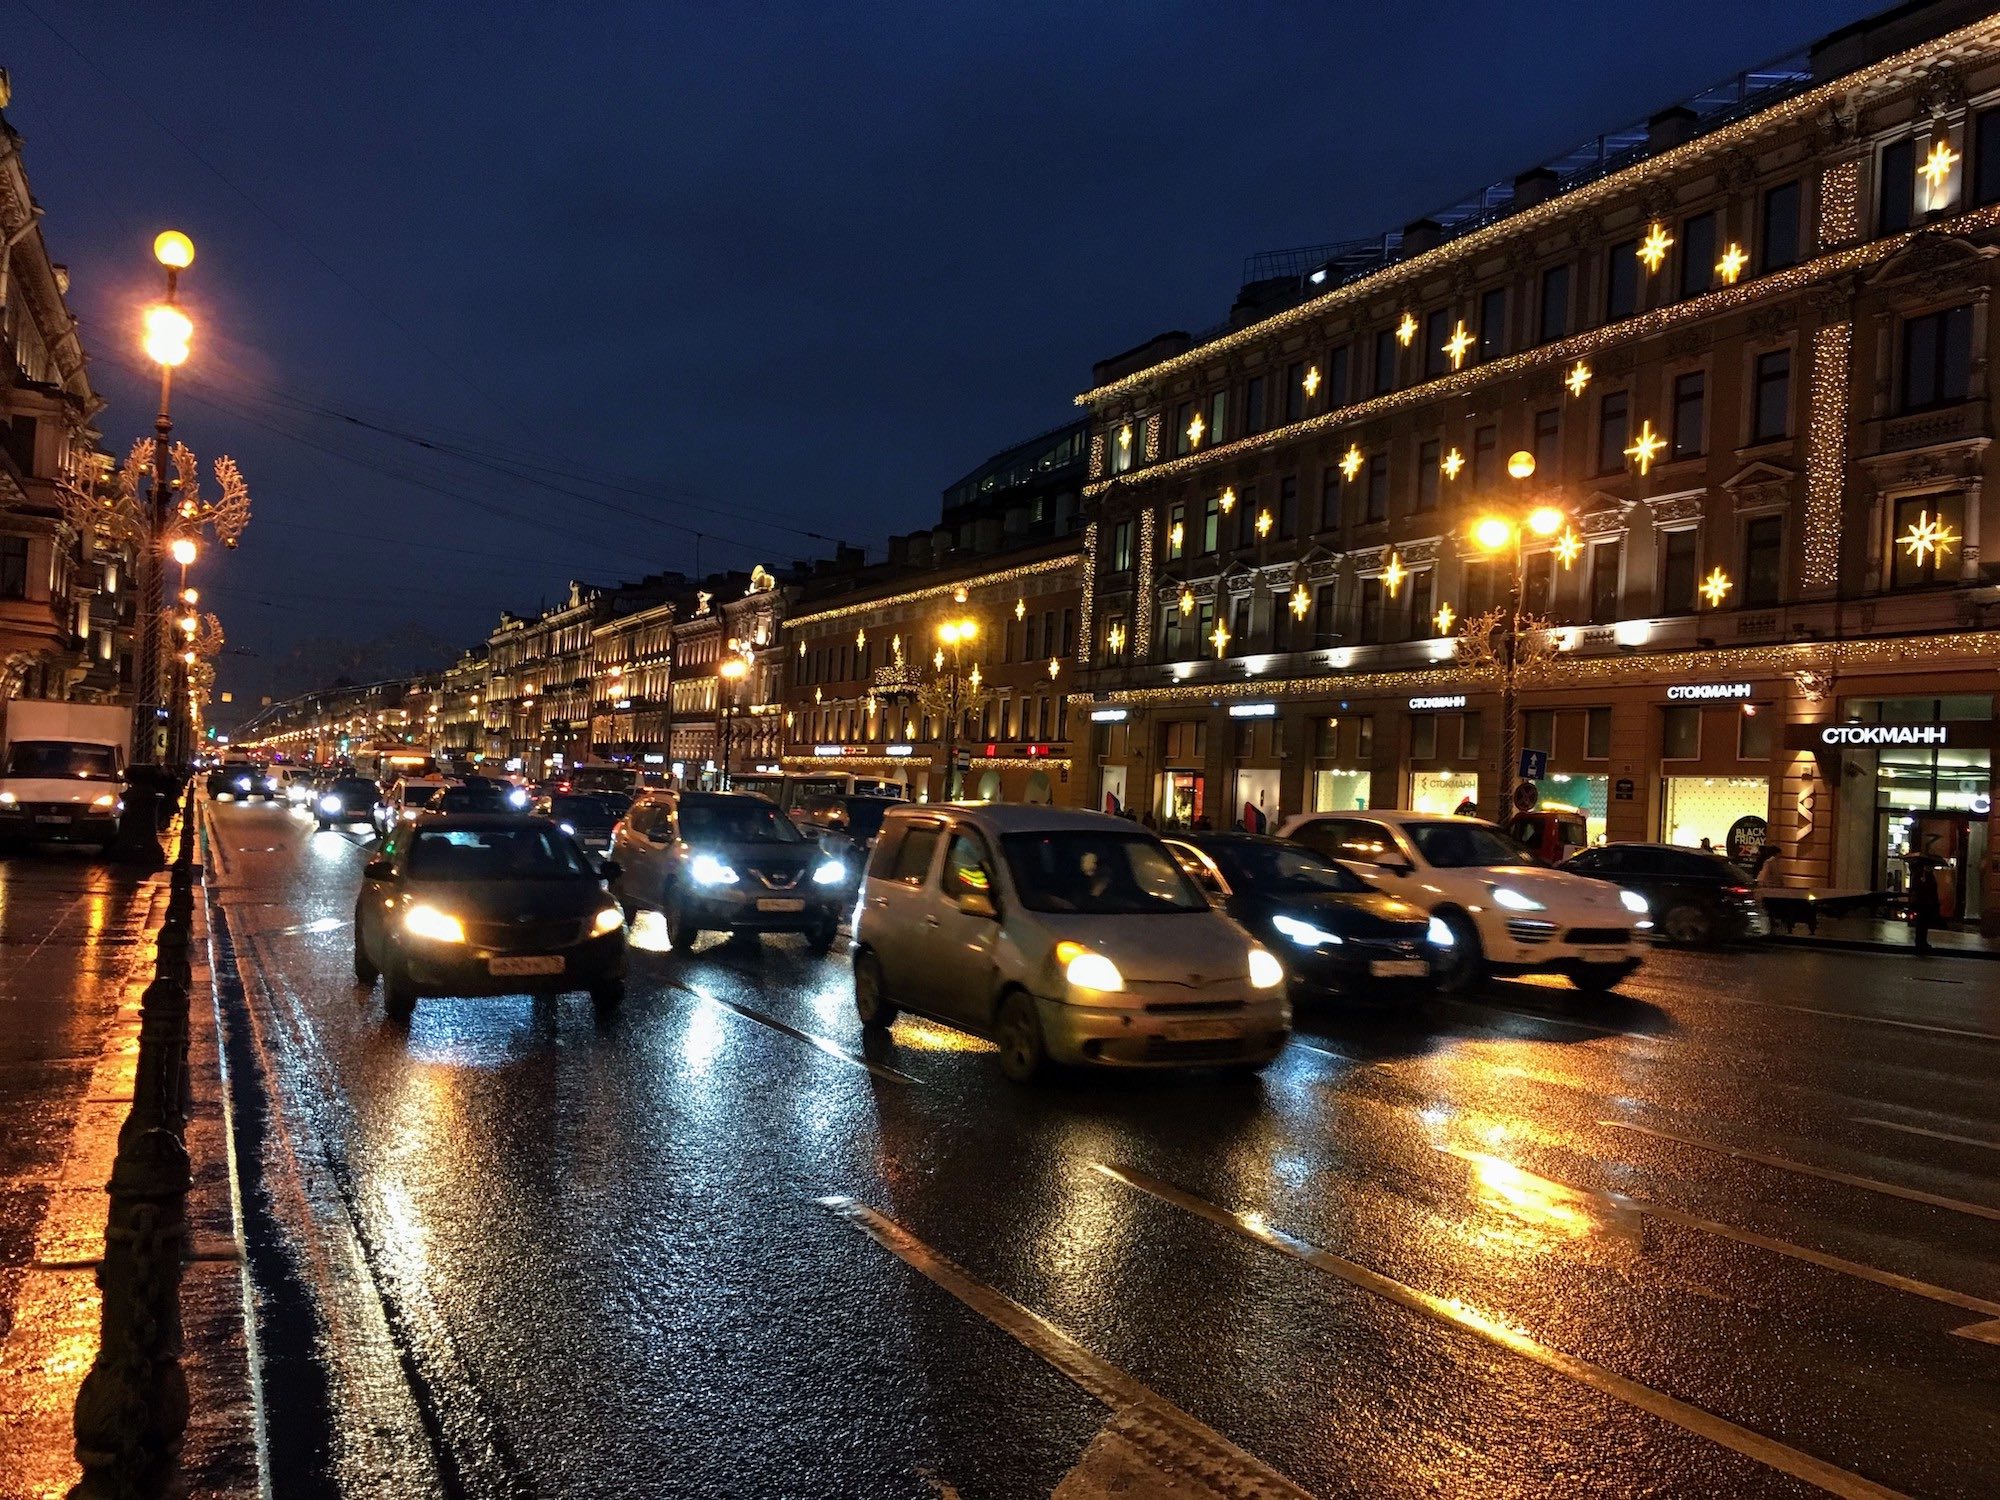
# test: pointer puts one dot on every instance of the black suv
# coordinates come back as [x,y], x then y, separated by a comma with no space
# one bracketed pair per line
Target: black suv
[1696,896]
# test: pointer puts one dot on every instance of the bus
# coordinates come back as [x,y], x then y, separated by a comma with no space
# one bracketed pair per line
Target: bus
[793,792]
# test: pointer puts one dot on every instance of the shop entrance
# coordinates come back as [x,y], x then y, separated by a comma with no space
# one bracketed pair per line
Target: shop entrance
[1112,797]
[1958,839]
[1183,800]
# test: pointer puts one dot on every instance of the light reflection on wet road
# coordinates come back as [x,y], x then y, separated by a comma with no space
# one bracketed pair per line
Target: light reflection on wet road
[552,1254]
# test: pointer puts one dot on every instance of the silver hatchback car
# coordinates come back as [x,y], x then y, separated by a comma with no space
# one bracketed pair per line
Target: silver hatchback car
[1067,937]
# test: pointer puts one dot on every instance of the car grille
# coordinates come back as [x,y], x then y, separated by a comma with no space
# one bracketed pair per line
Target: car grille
[523,937]
[1530,930]
[1161,1049]
[1193,1007]
[779,879]
[1587,936]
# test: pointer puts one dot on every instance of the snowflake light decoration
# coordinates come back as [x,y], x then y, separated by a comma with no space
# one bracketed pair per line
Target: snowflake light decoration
[1578,378]
[1451,463]
[1715,588]
[1652,250]
[1645,447]
[1350,462]
[1926,535]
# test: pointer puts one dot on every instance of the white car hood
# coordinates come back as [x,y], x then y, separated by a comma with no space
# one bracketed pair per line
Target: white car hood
[1570,898]
[59,789]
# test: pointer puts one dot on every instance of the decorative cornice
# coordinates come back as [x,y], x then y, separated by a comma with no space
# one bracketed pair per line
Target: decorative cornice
[911,596]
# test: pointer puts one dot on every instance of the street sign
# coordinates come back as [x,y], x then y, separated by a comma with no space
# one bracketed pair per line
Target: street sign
[1526,795]
[1534,764]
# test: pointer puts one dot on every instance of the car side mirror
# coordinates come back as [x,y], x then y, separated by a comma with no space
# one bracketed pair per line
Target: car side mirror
[1393,863]
[609,870]
[978,904]
[378,869]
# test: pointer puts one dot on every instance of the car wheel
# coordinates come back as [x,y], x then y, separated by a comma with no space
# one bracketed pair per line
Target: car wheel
[871,995]
[822,938]
[399,1001]
[607,997]
[1689,926]
[1597,980]
[1023,1058]
[1463,964]
[681,932]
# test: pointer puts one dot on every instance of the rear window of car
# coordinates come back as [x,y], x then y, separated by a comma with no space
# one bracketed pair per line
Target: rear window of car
[904,853]
[354,787]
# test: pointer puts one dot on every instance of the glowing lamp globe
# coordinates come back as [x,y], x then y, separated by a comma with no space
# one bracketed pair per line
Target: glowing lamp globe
[182,550]
[168,331]
[1545,520]
[1491,532]
[173,249]
[1522,464]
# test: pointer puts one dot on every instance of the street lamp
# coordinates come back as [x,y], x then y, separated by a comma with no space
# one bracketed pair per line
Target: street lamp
[731,671]
[957,635]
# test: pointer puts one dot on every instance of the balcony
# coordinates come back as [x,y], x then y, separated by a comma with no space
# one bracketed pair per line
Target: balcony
[1931,429]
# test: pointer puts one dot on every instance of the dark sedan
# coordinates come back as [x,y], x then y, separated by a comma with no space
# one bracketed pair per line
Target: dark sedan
[486,904]
[1331,929]
[589,817]
[1696,896]
[347,799]
[480,794]
[241,780]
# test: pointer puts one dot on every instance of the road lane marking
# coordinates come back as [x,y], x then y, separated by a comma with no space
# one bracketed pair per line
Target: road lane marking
[830,1048]
[1456,1314]
[1169,1436]
[1323,1051]
[1786,1164]
[1848,1015]
[1936,1135]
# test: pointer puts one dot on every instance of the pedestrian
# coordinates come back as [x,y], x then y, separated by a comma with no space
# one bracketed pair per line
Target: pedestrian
[1767,876]
[1708,846]
[1466,808]
[1925,906]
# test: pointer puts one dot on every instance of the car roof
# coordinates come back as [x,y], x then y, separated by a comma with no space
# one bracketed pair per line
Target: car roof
[1398,815]
[1019,817]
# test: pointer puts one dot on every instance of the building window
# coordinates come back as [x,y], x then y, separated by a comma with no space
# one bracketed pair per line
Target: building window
[1680,733]
[1423,736]
[1239,623]
[1485,456]
[1423,603]
[1330,481]
[1493,323]
[1554,316]
[1597,734]
[1778,244]
[1621,281]
[1364,737]
[1385,361]
[1753,735]
[1323,617]
[1288,507]
[1986,157]
[1295,391]
[1183,428]
[1548,442]
[1478,581]
[1371,611]
[1253,408]
[1121,553]
[1538,582]
[1936,516]
[1763,562]
[1176,532]
[1334,388]
[1375,499]
[1771,395]
[1538,730]
[1211,525]
[1606,558]
[1896,180]
[13,567]
[1430,457]
[1697,251]
[1690,402]
[1613,420]
[1246,519]
[1468,735]
[1437,329]
[1679,568]
[1125,440]
[1937,358]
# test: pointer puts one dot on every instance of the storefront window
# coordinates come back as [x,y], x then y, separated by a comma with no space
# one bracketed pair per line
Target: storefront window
[1443,791]
[1183,800]
[1335,790]
[1699,808]
[1589,795]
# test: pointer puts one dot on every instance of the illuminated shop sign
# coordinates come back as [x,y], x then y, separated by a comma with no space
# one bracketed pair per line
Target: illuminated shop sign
[899,751]
[1694,692]
[1110,715]
[1954,734]
[1884,734]
[1253,710]
[1439,700]
[654,760]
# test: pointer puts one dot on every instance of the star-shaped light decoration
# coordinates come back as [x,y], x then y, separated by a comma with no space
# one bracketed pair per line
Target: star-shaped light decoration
[1114,638]
[1176,534]
[1731,265]
[1301,601]
[1226,500]
[1715,588]
[1311,381]
[861,639]
[1568,548]
[1125,436]
[1937,166]
[1927,534]
[938,660]
[819,694]
[1578,378]
[1451,463]
[1394,574]
[1220,636]
[1444,619]
[1020,609]
[1263,523]
[1652,250]
[1055,662]
[1645,447]
[1195,429]
[1457,345]
[973,677]
[1187,601]
[1406,330]
[1350,462]
[802,648]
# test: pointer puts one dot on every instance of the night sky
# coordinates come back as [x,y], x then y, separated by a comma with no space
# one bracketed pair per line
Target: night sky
[773,273]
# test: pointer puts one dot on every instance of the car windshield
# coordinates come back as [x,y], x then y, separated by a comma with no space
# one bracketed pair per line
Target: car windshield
[480,796]
[735,820]
[417,796]
[1098,874]
[1278,867]
[55,759]
[1461,846]
[523,851]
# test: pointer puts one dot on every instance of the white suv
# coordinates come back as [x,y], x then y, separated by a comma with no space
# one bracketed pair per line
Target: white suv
[1495,908]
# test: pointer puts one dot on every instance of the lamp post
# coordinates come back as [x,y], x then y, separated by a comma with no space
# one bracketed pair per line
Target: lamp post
[729,673]
[1496,535]
[956,634]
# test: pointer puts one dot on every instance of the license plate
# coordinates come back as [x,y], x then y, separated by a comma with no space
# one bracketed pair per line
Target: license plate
[61,819]
[1603,956]
[1201,1031]
[1398,968]
[780,903]
[511,967]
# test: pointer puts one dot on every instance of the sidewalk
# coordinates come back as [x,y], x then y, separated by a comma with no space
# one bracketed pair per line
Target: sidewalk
[1876,935]
[76,952]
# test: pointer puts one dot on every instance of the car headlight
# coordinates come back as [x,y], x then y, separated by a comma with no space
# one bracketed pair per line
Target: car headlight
[8,799]
[1305,934]
[429,922]
[1088,971]
[830,872]
[610,919]
[270,783]
[568,828]
[329,804]
[104,799]
[1439,934]
[708,870]
[243,783]
[518,798]
[1513,900]
[1265,970]
[1634,903]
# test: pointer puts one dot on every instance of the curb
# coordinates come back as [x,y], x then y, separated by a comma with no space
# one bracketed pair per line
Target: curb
[1862,945]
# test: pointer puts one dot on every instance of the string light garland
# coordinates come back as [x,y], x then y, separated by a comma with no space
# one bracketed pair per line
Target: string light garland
[1826,455]
[1645,447]
[1715,588]
[1084,639]
[1652,251]
[1142,624]
[1033,570]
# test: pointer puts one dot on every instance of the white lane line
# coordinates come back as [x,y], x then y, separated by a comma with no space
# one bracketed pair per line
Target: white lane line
[1936,1135]
[1786,1164]
[1169,1436]
[1453,1313]
[1314,1047]
[831,1049]
[1848,1015]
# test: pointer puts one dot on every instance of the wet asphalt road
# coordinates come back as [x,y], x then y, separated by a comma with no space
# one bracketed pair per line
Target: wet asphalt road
[1733,1231]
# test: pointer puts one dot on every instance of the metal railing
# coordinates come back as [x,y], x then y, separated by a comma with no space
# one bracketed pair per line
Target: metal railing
[132,1409]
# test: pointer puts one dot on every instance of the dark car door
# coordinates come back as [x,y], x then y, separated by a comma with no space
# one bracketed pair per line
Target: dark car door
[375,906]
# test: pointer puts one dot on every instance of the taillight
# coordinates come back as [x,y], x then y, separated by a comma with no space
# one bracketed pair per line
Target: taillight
[1737,890]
